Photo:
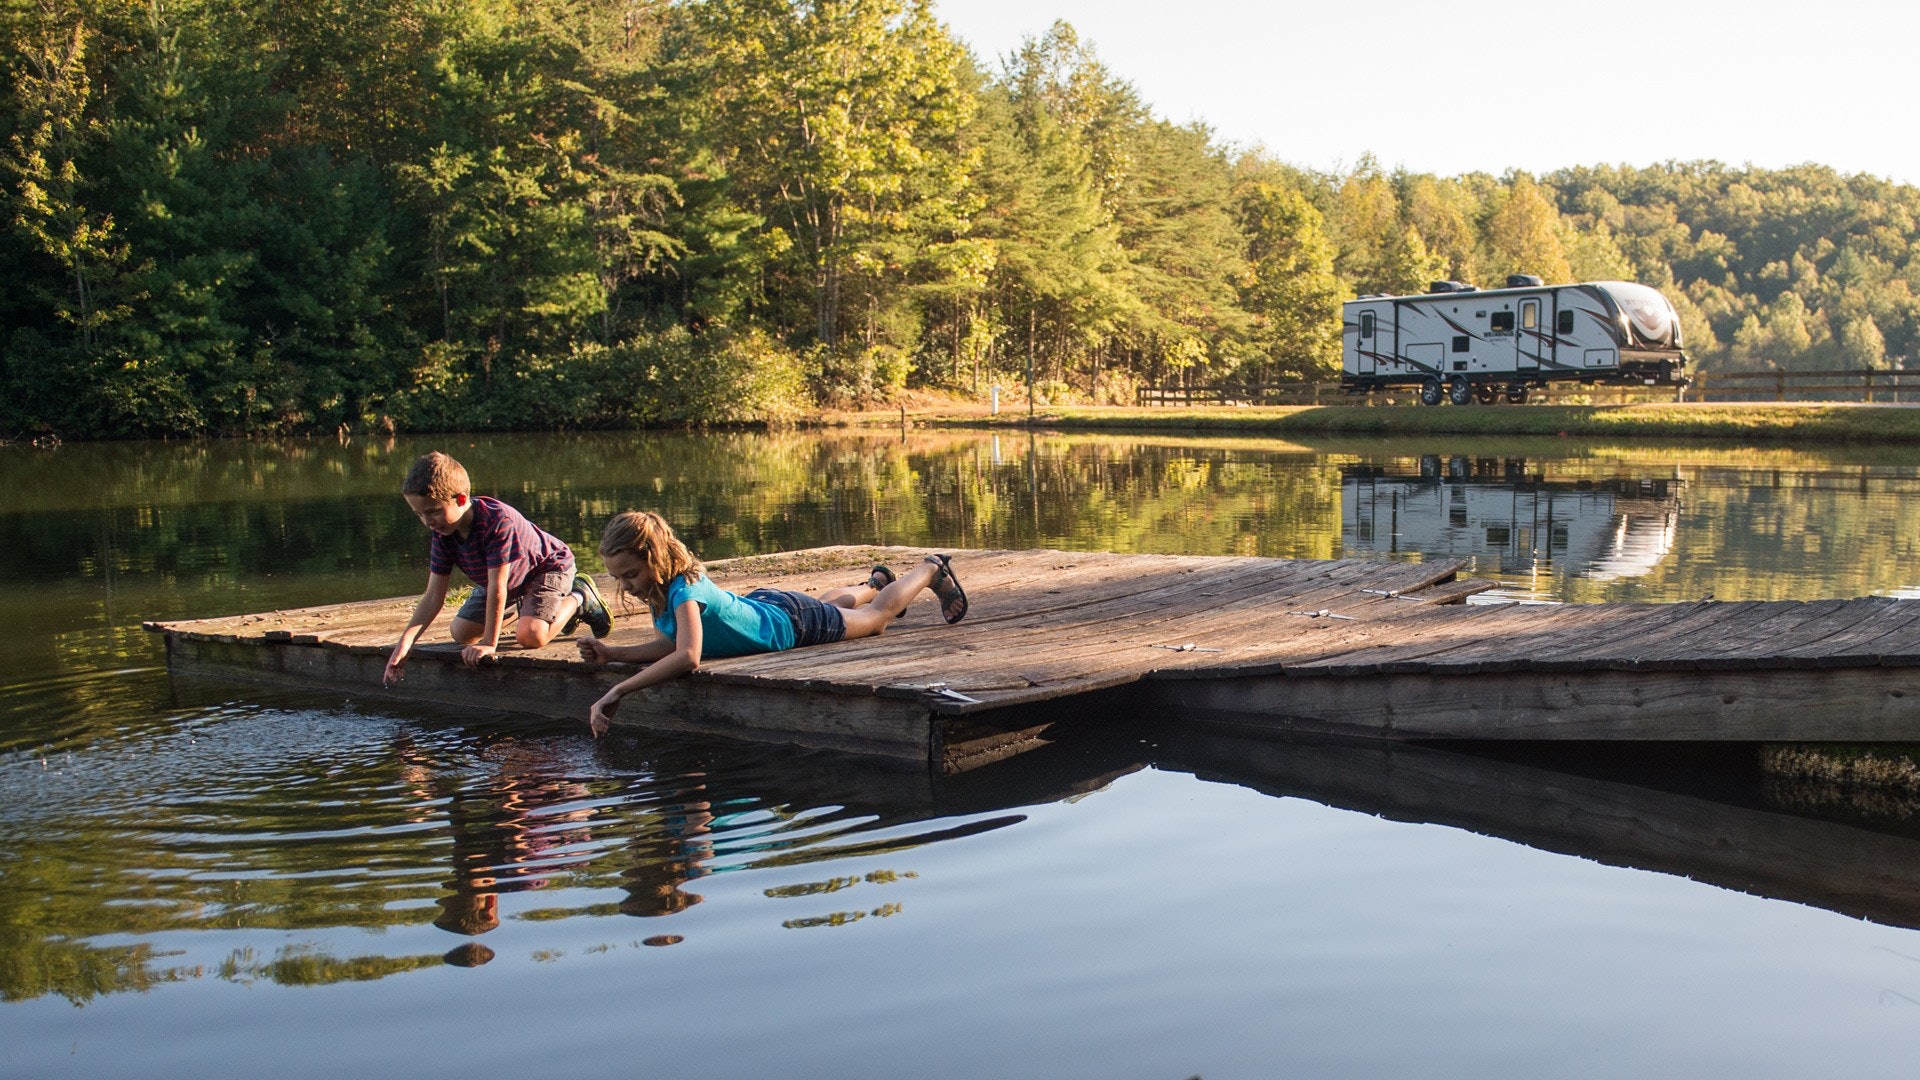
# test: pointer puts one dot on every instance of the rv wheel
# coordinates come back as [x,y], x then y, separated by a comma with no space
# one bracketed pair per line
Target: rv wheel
[1459,390]
[1430,392]
[1517,395]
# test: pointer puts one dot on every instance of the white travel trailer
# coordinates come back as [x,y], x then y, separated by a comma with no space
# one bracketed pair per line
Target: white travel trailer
[1461,344]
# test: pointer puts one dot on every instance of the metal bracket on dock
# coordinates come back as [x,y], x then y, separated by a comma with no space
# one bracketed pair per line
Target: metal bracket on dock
[1323,613]
[939,690]
[1188,647]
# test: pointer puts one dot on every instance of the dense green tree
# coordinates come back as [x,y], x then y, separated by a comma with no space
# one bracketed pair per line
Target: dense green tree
[836,120]
[1523,235]
[318,215]
[1290,285]
[1057,257]
[1443,212]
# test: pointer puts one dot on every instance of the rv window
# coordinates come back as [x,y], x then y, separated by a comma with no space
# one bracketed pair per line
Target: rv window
[1366,324]
[1566,322]
[1460,343]
[1529,316]
[1502,320]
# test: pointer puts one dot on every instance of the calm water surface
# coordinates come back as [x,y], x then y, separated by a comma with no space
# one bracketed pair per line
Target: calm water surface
[197,879]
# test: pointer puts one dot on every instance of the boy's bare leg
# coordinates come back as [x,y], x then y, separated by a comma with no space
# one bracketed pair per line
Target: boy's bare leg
[532,633]
[466,631]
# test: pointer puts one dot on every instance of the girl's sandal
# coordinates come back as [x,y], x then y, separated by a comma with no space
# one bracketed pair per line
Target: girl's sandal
[953,599]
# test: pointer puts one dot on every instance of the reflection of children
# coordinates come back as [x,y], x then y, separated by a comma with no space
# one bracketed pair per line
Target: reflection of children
[668,854]
[696,618]
[505,555]
[505,832]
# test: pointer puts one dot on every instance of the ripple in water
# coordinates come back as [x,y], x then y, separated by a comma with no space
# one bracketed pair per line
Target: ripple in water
[255,817]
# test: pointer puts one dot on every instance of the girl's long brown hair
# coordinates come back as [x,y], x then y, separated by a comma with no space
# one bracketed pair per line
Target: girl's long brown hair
[647,535]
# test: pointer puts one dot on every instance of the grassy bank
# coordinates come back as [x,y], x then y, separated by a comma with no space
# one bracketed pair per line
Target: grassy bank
[1756,423]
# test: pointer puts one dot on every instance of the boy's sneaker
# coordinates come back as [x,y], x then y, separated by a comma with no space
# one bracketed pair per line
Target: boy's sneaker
[593,610]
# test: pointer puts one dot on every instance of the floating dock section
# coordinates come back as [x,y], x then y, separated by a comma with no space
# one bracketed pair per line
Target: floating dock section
[1354,646]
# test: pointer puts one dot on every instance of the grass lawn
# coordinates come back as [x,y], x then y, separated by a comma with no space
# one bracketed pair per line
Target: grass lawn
[1754,423]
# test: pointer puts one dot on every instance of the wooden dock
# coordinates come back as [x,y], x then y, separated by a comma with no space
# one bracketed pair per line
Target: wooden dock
[1367,647]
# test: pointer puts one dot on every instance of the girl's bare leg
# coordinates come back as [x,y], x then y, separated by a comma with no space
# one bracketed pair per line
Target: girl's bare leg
[848,596]
[872,617]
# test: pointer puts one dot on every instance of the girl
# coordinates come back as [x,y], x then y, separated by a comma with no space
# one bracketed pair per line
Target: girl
[697,618]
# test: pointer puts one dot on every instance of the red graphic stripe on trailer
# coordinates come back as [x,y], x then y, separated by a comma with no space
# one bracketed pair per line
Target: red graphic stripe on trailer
[1599,317]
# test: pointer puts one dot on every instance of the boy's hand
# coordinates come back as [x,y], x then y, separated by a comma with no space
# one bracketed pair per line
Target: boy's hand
[473,654]
[600,717]
[593,650]
[393,672]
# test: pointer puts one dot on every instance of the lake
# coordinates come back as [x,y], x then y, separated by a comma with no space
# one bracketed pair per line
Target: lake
[200,879]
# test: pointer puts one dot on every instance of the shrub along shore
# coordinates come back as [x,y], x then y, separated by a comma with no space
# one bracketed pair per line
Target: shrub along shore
[1769,423]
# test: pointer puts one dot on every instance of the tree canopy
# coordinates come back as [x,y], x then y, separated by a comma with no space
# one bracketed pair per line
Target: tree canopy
[558,213]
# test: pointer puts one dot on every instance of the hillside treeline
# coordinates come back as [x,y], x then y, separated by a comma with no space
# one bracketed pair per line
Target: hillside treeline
[223,218]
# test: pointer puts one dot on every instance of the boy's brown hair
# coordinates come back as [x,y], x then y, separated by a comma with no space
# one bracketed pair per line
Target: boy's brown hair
[437,476]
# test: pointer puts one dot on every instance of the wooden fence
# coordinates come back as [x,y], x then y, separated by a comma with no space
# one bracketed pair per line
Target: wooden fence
[1854,384]
[1850,385]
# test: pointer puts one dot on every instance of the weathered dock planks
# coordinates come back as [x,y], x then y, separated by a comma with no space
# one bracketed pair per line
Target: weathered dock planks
[1356,646]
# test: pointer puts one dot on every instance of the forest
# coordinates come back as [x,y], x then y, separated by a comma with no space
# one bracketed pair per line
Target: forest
[222,218]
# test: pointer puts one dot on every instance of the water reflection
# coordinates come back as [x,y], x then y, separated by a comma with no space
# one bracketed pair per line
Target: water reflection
[1511,516]
[429,832]
[156,835]
[1704,812]
[293,814]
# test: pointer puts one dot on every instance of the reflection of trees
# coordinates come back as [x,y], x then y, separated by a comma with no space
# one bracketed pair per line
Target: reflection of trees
[110,534]
[383,840]
[416,835]
[101,536]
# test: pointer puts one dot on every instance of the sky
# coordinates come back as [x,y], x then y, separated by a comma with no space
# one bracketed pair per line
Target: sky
[1454,88]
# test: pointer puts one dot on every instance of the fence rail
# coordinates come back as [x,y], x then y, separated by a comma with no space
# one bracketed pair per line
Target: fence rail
[1840,384]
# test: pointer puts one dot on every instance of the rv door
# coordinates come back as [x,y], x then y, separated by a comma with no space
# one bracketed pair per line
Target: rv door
[1530,337]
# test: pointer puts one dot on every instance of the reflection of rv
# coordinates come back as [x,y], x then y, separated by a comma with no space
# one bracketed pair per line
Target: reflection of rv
[1458,343]
[1501,516]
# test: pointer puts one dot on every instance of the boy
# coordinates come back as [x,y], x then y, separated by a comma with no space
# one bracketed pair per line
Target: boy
[505,555]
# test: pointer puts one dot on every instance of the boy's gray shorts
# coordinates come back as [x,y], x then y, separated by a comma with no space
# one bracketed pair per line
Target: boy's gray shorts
[540,600]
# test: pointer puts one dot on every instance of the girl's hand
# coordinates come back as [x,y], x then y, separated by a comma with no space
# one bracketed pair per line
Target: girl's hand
[473,654]
[600,717]
[593,650]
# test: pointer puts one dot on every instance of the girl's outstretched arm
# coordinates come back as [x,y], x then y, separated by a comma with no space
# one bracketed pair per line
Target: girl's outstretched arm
[684,658]
[595,651]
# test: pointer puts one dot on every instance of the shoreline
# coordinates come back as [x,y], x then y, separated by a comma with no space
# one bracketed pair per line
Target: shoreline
[1768,422]
[1761,423]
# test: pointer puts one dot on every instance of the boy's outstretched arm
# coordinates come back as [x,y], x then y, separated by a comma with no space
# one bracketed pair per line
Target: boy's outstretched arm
[684,658]
[496,615]
[424,613]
